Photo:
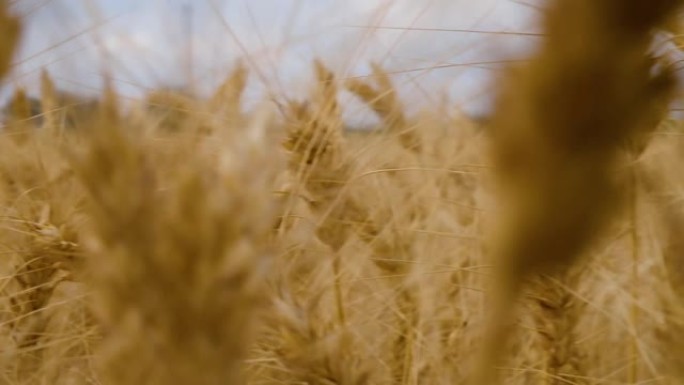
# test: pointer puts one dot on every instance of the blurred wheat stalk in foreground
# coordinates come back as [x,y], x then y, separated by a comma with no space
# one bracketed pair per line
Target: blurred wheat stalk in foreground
[564,126]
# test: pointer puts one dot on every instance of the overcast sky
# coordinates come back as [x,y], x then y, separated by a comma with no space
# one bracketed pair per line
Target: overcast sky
[145,43]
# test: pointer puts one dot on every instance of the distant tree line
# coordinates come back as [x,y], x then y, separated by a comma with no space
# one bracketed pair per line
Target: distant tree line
[68,108]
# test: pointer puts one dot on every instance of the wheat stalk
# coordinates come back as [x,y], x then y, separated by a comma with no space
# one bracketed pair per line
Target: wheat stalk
[556,146]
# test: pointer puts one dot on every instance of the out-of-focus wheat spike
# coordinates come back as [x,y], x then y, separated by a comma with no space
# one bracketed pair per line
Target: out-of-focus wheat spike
[109,109]
[37,277]
[656,108]
[364,91]
[48,101]
[655,174]
[555,311]
[20,105]
[676,29]
[315,140]
[317,157]
[228,97]
[394,116]
[10,34]
[20,116]
[383,81]
[326,93]
[327,168]
[385,102]
[172,109]
[177,271]
[312,351]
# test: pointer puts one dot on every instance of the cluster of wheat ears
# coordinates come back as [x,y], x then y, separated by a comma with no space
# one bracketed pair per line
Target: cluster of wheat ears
[185,241]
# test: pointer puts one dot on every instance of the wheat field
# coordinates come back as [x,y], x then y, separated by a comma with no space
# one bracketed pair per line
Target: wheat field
[180,240]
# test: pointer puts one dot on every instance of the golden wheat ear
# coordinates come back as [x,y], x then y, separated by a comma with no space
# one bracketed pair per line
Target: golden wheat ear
[227,99]
[383,99]
[48,101]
